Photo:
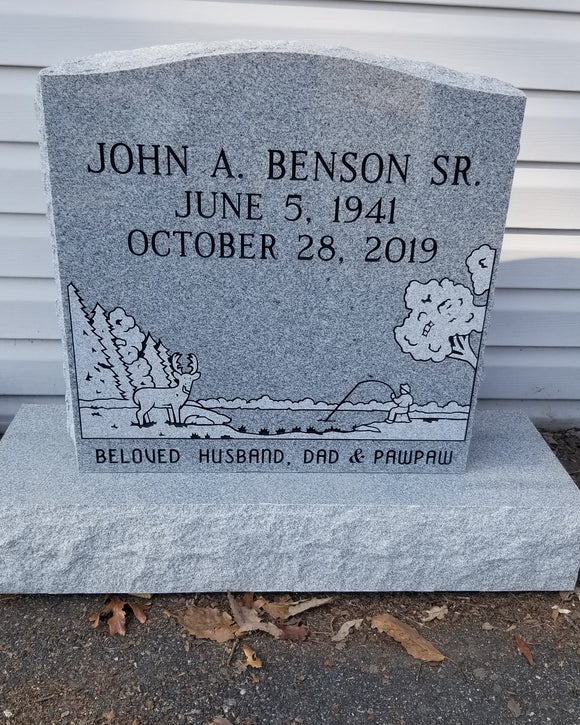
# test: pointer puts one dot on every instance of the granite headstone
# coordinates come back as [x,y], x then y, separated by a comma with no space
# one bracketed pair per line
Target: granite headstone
[274,256]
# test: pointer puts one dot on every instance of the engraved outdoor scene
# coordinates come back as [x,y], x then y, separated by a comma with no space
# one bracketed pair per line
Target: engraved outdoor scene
[130,385]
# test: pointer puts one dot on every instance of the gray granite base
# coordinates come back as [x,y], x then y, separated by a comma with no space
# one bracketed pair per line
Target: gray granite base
[512,522]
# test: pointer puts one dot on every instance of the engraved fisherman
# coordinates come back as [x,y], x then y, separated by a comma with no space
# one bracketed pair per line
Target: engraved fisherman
[402,404]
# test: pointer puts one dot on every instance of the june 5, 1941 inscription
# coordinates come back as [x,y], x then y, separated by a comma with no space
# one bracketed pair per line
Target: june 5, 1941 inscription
[274,256]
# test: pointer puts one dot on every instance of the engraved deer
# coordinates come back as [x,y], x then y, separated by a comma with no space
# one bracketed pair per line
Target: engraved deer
[172,398]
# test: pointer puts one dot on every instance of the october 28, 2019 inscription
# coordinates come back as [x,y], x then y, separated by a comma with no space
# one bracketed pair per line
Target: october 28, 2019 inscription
[292,274]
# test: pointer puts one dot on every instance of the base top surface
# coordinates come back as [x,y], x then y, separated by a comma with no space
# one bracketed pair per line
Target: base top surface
[508,458]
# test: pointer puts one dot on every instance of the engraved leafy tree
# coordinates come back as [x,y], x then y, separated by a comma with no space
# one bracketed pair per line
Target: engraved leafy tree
[129,339]
[480,266]
[442,317]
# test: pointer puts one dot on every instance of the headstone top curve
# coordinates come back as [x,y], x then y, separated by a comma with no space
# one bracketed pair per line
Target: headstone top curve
[126,60]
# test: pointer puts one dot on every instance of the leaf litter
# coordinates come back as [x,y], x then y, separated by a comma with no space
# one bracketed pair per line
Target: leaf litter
[415,644]
[556,610]
[252,659]
[345,629]
[284,609]
[523,648]
[435,613]
[254,614]
[246,617]
[207,623]
[295,632]
[115,610]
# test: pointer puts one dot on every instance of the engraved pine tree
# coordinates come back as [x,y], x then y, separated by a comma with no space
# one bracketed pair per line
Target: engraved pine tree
[442,317]
[95,376]
[164,356]
[102,328]
[158,373]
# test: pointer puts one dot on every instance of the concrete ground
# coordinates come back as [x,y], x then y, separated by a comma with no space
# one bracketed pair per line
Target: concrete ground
[55,668]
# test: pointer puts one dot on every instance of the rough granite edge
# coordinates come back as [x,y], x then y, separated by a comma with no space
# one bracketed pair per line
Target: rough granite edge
[45,171]
[125,60]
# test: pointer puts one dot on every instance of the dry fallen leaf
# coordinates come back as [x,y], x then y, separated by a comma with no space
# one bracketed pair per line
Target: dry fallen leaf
[416,645]
[514,707]
[206,623]
[252,659]
[487,626]
[524,648]
[248,599]
[116,622]
[556,610]
[115,606]
[248,619]
[219,720]
[345,628]
[139,610]
[287,609]
[435,613]
[294,632]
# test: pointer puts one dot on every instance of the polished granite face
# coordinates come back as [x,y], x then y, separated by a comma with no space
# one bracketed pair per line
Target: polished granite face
[274,257]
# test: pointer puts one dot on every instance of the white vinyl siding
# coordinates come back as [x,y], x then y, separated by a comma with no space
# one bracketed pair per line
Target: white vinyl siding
[533,354]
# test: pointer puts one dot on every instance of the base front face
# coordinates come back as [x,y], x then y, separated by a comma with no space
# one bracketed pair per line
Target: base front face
[510,522]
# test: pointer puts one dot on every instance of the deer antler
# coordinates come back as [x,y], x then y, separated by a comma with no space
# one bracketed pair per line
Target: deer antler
[192,362]
[175,363]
